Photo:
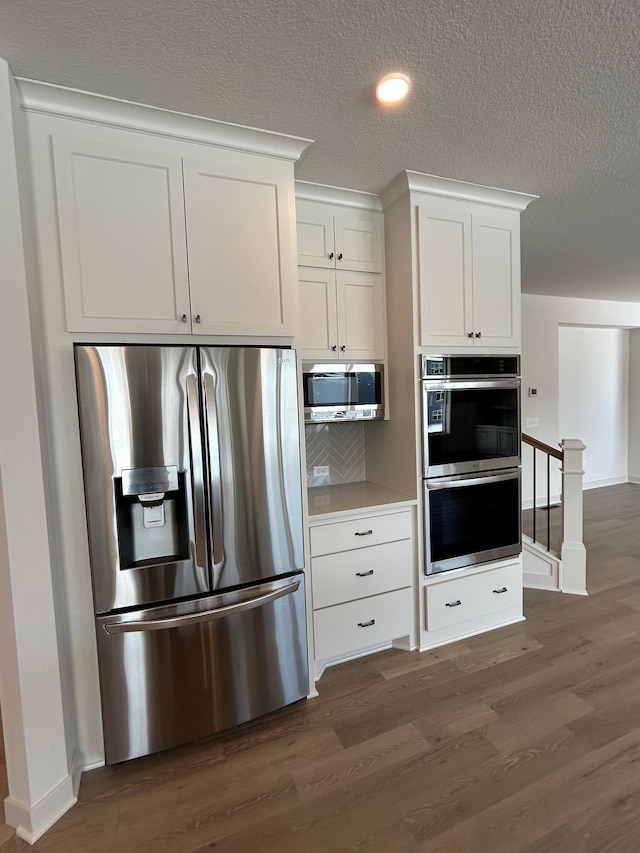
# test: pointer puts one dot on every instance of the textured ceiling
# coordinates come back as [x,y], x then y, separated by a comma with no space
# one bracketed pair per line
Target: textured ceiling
[539,96]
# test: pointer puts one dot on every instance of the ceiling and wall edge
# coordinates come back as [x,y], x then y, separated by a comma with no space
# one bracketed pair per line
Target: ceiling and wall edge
[50,99]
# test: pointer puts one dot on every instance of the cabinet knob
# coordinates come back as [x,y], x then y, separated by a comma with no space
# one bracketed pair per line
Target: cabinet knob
[453,603]
[197,318]
[334,348]
[370,572]
[478,334]
[367,624]
[500,591]
[330,256]
[183,319]
[340,256]
[343,348]
[364,533]
[469,334]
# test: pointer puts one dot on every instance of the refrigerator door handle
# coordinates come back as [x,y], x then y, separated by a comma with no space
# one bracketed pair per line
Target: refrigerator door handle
[205,616]
[197,470]
[213,445]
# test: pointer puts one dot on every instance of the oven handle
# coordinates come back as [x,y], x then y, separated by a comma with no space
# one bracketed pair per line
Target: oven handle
[469,385]
[469,480]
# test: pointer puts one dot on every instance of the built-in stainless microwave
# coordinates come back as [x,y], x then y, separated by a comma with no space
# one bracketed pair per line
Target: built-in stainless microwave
[336,392]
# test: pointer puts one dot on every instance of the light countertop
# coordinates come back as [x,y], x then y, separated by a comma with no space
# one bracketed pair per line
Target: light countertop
[351,497]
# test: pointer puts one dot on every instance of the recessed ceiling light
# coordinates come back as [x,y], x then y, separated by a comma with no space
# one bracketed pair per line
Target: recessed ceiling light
[393,88]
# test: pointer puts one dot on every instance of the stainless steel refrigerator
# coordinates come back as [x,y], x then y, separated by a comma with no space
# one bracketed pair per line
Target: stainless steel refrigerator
[191,459]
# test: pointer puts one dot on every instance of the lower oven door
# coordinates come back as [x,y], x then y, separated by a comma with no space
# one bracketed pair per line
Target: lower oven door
[471,519]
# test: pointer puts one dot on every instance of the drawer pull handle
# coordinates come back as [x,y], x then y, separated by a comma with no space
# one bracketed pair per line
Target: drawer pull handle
[364,533]
[367,624]
[453,603]
[499,591]
[364,574]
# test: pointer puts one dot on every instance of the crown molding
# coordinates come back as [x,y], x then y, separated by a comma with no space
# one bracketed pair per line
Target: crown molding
[50,99]
[307,191]
[434,185]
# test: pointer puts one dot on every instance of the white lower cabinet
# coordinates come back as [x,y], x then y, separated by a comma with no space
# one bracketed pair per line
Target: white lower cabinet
[362,623]
[362,571]
[471,602]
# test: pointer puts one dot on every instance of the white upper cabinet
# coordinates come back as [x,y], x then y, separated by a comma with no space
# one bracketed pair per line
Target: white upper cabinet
[496,278]
[342,315]
[240,241]
[191,239]
[341,279]
[469,275]
[122,235]
[333,237]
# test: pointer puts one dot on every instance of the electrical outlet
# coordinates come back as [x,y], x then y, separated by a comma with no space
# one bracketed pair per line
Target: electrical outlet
[320,470]
[531,422]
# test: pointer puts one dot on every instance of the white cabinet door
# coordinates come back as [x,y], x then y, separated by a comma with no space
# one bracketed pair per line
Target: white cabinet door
[359,236]
[318,314]
[360,315]
[316,247]
[239,234]
[445,275]
[122,237]
[469,276]
[496,279]
[344,238]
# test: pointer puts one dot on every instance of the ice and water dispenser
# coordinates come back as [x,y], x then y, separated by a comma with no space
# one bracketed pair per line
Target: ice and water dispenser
[151,516]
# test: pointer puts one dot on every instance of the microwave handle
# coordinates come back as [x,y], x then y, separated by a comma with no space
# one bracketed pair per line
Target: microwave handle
[469,480]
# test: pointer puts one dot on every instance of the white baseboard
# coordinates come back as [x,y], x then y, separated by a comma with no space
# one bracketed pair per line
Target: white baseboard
[608,481]
[32,821]
[541,503]
[634,478]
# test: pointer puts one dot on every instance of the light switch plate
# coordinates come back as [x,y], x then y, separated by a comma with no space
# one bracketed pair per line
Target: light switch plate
[531,422]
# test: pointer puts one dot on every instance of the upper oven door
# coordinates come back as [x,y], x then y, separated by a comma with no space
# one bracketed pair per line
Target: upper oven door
[470,426]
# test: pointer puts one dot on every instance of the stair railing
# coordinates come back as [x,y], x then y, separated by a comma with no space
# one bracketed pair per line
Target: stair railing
[572,552]
[549,452]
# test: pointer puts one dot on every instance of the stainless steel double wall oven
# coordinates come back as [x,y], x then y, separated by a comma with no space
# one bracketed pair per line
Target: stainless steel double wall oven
[471,459]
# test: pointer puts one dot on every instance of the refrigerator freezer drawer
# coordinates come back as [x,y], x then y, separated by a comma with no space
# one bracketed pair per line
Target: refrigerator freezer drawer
[171,675]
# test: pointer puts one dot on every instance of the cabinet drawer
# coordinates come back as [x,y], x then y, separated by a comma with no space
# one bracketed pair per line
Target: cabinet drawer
[474,597]
[359,533]
[359,624]
[344,577]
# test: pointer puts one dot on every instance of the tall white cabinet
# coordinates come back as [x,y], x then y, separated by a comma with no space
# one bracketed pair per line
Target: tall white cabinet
[453,257]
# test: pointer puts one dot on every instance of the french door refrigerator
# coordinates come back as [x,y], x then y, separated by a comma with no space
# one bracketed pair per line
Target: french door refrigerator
[191,459]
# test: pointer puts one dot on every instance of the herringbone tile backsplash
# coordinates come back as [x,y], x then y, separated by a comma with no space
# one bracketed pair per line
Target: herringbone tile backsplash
[341,447]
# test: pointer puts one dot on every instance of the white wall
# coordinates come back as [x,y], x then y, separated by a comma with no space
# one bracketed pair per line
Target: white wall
[593,399]
[40,786]
[542,317]
[634,406]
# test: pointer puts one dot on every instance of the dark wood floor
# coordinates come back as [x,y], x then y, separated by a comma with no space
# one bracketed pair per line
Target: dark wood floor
[522,740]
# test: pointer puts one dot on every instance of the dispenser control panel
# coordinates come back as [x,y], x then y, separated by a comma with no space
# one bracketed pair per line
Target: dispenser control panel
[144,481]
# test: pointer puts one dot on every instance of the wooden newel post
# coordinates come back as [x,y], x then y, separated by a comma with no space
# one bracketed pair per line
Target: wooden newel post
[574,558]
